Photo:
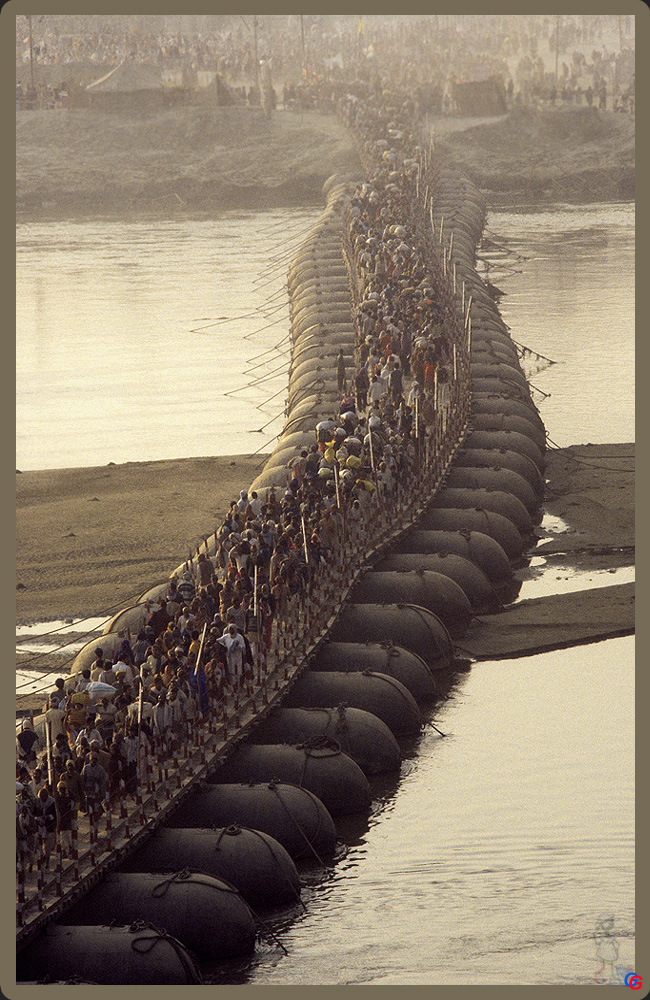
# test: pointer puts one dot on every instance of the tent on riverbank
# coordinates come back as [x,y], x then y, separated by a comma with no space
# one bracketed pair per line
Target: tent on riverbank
[480,98]
[132,86]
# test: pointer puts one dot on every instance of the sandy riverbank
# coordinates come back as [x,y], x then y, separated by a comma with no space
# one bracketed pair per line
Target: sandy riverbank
[92,539]
[75,163]
[166,162]
[537,155]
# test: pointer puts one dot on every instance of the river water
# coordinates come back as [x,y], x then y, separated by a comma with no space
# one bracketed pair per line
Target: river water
[493,856]
[569,283]
[143,341]
[500,848]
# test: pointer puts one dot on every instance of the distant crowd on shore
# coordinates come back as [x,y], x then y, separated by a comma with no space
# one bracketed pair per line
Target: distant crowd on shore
[570,59]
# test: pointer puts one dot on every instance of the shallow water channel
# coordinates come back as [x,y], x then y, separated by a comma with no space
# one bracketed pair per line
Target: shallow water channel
[491,857]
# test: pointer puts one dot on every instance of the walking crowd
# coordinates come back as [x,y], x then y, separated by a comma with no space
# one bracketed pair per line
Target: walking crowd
[207,635]
[406,326]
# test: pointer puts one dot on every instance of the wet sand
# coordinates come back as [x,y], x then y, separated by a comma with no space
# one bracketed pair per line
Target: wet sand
[590,489]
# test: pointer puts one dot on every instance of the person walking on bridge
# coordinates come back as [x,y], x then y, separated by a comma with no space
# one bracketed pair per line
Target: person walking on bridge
[395,382]
[95,782]
[235,649]
[361,385]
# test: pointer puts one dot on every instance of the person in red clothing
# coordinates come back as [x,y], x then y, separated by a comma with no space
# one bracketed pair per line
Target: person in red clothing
[386,343]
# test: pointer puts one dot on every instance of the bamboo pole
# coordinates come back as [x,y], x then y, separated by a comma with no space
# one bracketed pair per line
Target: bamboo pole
[48,744]
[336,484]
[469,306]
[198,655]
[304,538]
[140,700]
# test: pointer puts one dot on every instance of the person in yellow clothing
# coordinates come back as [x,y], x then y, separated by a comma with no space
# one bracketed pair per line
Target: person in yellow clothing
[195,644]
[366,484]
[329,454]
[75,719]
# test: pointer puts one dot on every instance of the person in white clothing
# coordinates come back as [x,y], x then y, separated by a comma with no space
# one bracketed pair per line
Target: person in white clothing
[126,670]
[377,390]
[162,718]
[235,650]
[414,393]
[254,505]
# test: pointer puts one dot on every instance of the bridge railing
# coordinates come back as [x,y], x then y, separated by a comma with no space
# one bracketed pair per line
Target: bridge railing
[164,771]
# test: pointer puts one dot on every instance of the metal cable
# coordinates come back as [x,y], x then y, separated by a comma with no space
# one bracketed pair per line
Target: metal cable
[274,788]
